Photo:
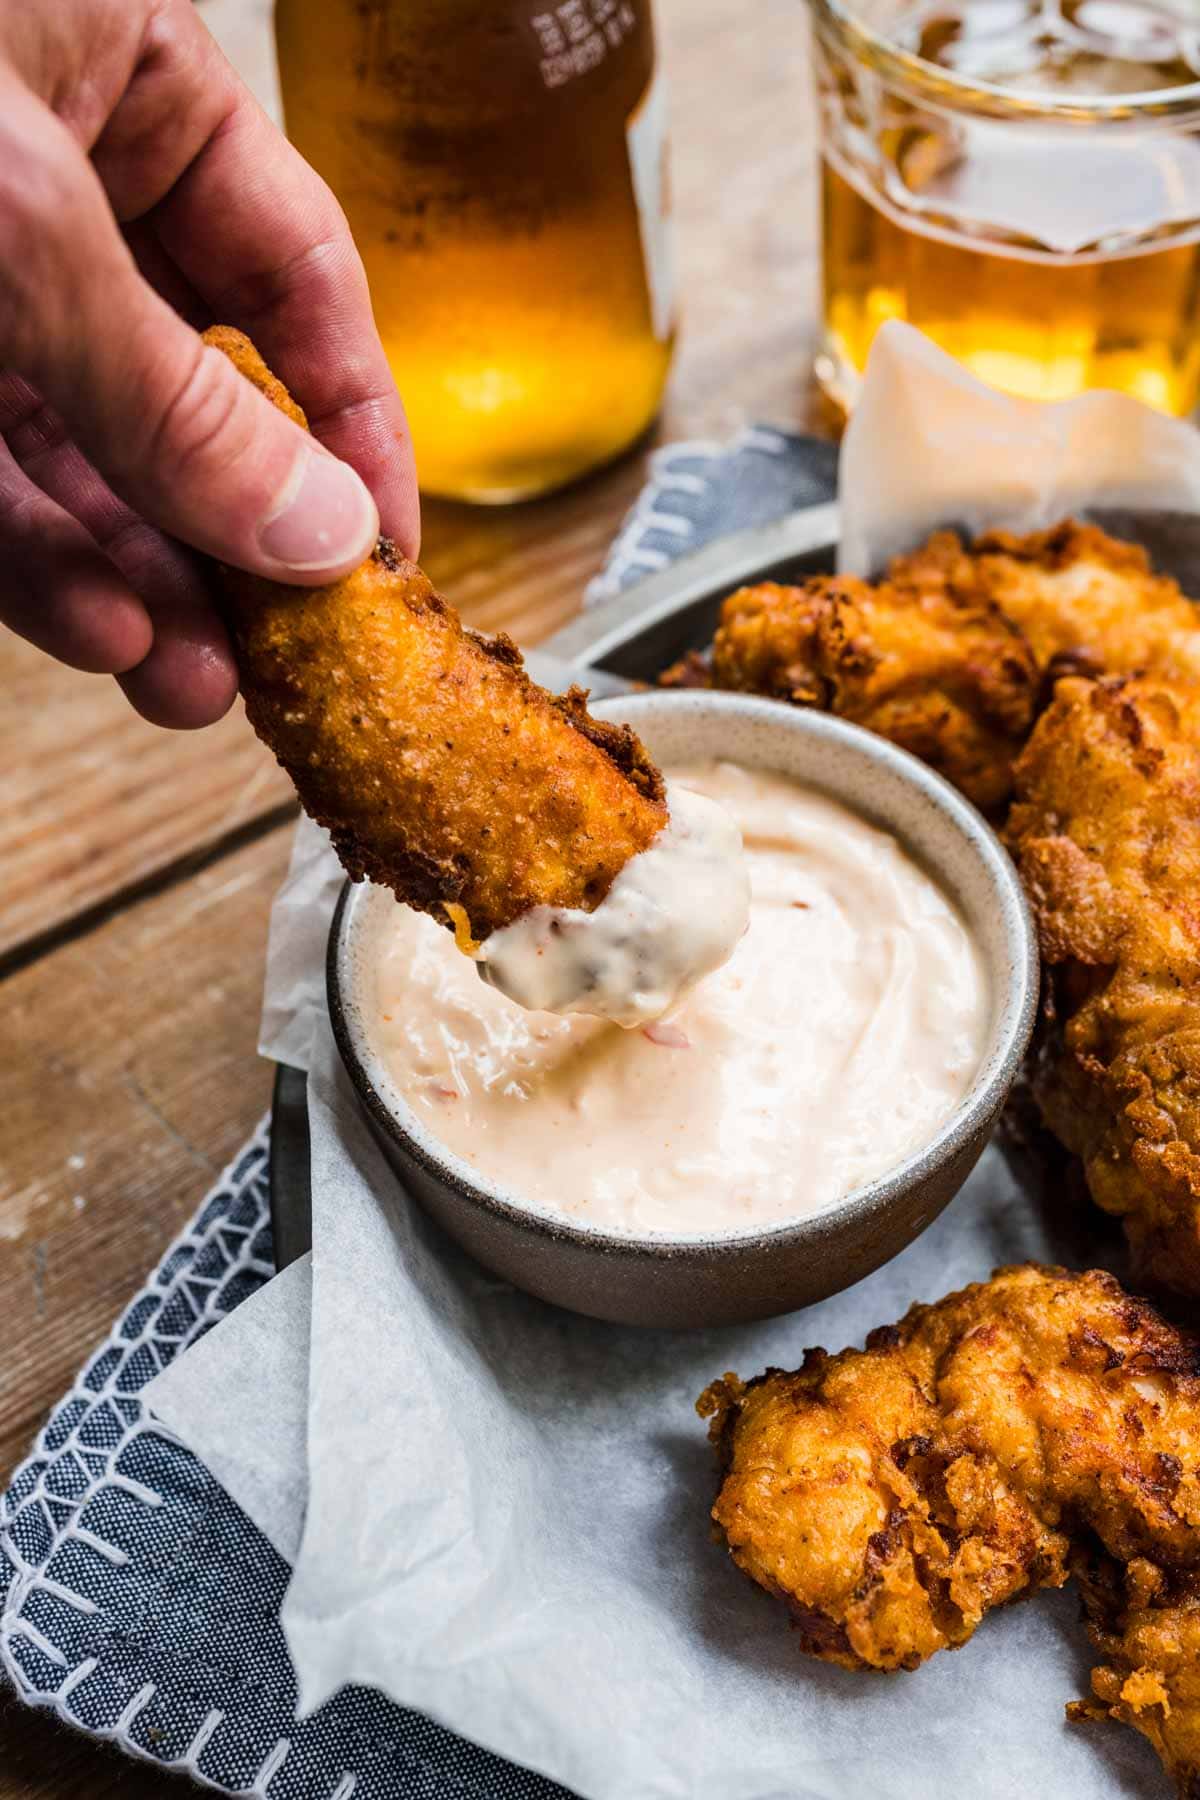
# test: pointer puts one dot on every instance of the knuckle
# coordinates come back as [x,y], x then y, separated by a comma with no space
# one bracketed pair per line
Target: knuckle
[17,508]
[162,34]
[319,269]
[18,400]
[206,420]
[36,433]
[39,180]
[43,196]
[123,537]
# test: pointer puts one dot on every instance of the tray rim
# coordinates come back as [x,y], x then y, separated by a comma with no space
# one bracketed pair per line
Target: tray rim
[725,563]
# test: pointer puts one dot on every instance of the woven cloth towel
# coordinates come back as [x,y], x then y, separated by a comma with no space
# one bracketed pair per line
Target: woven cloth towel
[136,1601]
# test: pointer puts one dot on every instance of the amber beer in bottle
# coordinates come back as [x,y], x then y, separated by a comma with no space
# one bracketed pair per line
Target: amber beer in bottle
[502,166]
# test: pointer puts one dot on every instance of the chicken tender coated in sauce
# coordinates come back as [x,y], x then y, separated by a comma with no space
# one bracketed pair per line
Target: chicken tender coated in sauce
[440,770]
[1034,1425]
[942,674]
[1105,831]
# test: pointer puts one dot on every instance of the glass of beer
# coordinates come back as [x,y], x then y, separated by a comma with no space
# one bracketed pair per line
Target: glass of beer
[501,165]
[1021,180]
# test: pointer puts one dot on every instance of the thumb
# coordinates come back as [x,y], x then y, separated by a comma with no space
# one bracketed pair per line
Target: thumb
[198,451]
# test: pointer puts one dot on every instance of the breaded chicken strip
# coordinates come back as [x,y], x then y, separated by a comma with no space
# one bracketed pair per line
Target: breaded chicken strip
[967,1456]
[942,674]
[1105,831]
[440,770]
[1085,602]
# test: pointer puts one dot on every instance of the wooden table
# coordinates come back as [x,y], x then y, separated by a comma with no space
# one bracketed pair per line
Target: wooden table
[139,865]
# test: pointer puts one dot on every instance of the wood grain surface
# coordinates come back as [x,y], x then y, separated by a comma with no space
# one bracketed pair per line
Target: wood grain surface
[138,866]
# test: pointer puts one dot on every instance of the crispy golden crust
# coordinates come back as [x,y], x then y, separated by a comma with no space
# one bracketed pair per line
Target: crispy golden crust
[440,770]
[1085,602]
[1105,831]
[970,1455]
[953,655]
[942,674]
[1145,1622]
[247,361]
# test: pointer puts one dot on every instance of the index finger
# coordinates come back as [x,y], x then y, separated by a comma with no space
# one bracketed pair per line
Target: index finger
[264,243]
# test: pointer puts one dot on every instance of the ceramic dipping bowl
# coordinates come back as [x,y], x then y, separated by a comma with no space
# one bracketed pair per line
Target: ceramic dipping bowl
[752,1271]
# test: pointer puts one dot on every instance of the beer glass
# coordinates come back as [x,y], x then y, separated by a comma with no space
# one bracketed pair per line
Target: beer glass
[501,164]
[1021,180]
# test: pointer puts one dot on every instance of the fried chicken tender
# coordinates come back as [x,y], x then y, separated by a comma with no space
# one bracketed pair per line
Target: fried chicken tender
[1105,831]
[953,655]
[1145,1622]
[940,672]
[440,770]
[1085,602]
[987,1446]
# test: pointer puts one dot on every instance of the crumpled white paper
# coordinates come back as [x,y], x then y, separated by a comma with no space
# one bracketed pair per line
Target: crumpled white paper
[501,1509]
[506,1522]
[929,445]
[294,987]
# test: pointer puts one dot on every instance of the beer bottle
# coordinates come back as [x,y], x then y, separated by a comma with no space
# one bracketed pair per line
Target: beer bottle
[502,166]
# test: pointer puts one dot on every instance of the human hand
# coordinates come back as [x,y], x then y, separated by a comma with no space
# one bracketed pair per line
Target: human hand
[144,194]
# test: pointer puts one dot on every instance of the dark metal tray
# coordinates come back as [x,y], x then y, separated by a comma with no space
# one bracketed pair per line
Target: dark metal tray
[634,636]
[288,1180]
[637,633]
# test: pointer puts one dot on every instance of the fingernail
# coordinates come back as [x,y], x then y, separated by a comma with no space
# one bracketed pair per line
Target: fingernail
[323,518]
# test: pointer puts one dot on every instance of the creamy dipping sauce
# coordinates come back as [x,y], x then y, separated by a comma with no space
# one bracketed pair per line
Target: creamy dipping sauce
[836,1040]
[673,915]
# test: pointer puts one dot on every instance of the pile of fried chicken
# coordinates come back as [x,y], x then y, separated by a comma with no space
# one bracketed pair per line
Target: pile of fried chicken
[1042,1424]
[1055,680]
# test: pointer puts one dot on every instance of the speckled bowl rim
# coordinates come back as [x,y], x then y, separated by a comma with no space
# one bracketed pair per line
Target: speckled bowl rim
[1016,986]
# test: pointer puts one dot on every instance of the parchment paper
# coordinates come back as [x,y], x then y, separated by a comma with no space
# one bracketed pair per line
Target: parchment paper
[501,1509]
[929,445]
[294,986]
[258,1372]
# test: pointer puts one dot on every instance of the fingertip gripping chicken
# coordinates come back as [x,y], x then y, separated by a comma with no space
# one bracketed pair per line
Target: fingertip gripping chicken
[442,772]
